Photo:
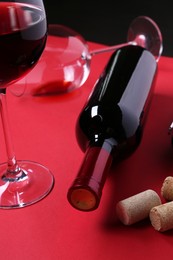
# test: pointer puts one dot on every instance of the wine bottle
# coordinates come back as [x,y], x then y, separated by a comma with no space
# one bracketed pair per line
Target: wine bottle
[111,123]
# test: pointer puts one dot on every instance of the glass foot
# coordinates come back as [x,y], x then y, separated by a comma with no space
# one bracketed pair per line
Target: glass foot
[29,186]
[146,33]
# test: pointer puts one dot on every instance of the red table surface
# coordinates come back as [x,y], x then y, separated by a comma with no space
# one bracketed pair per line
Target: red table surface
[43,131]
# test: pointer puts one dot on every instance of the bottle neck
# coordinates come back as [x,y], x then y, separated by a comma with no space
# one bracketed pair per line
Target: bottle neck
[86,190]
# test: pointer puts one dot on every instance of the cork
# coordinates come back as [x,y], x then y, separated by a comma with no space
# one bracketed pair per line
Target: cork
[161,217]
[167,188]
[137,207]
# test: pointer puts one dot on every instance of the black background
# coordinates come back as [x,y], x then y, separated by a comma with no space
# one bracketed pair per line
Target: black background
[107,21]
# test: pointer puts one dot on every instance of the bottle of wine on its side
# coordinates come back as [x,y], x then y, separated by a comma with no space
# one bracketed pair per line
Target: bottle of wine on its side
[110,124]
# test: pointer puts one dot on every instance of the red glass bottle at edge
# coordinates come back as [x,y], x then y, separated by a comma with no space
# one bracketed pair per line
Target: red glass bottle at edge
[111,123]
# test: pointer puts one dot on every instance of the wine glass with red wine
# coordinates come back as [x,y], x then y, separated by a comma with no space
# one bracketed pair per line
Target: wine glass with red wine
[23,35]
[68,57]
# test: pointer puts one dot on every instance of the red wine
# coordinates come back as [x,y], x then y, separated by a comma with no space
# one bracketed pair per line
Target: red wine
[111,123]
[23,34]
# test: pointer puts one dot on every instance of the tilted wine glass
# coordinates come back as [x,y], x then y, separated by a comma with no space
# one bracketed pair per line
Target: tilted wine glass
[143,31]
[68,58]
[23,34]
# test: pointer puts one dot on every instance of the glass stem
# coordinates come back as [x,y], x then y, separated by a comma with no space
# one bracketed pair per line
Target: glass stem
[110,48]
[12,166]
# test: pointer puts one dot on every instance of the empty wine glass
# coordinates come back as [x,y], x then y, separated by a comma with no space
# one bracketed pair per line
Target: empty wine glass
[65,63]
[23,34]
